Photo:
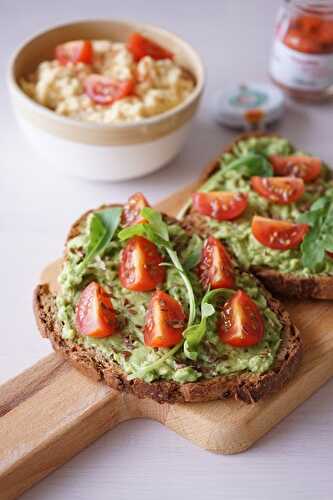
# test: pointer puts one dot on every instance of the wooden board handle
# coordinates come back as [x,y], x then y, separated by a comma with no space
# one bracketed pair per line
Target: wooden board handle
[44,421]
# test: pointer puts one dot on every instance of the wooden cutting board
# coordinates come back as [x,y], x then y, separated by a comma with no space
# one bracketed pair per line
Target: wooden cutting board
[50,412]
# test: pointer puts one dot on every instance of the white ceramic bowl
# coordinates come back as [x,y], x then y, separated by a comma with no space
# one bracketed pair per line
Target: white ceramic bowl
[103,151]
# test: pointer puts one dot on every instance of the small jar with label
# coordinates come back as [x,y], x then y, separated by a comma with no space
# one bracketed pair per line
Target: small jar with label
[302,55]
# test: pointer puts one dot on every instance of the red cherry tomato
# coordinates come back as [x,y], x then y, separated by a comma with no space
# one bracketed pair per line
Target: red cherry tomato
[75,52]
[306,167]
[220,205]
[280,190]
[104,90]
[141,46]
[215,268]
[330,254]
[278,234]
[241,323]
[94,314]
[165,321]
[131,212]
[140,268]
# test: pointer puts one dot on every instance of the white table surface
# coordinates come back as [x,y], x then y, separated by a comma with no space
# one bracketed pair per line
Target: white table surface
[142,459]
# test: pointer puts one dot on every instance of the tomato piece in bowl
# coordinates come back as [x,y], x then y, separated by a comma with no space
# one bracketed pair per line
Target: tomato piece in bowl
[104,90]
[79,51]
[140,46]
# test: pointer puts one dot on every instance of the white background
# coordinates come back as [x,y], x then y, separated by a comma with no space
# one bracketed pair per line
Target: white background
[141,459]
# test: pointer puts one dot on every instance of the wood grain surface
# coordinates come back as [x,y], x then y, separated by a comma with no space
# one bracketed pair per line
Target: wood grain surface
[51,412]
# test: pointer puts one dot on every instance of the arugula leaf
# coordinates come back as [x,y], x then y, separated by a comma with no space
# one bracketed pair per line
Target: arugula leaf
[192,254]
[157,364]
[156,230]
[194,334]
[250,165]
[328,242]
[183,211]
[103,225]
[311,217]
[190,292]
[155,220]
[320,204]
[312,250]
[129,232]
[145,230]
[320,237]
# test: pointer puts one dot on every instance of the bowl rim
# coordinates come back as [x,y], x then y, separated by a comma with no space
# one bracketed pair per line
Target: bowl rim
[48,113]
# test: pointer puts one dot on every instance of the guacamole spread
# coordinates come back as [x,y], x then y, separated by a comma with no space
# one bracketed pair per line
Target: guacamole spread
[127,348]
[237,233]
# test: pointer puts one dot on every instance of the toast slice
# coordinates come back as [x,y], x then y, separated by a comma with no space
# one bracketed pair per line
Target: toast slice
[285,284]
[243,384]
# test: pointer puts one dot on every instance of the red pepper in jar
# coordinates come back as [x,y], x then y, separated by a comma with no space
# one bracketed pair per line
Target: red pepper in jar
[310,34]
[302,58]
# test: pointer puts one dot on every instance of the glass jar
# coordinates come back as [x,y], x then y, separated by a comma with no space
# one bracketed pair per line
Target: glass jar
[302,54]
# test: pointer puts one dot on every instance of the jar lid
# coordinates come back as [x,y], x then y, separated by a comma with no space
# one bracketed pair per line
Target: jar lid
[249,106]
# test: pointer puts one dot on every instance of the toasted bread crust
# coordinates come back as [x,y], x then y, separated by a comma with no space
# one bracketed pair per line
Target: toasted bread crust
[246,386]
[283,284]
[299,287]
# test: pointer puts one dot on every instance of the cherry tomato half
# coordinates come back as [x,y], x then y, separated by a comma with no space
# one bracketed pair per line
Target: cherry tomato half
[220,205]
[165,321]
[306,167]
[75,52]
[141,46]
[104,90]
[215,268]
[241,323]
[131,211]
[280,190]
[94,314]
[140,268]
[278,234]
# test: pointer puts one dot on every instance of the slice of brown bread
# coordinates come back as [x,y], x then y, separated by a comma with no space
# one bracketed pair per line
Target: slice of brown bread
[246,386]
[283,284]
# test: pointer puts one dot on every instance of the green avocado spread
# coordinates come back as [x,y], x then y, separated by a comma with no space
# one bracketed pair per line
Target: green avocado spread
[238,235]
[127,348]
